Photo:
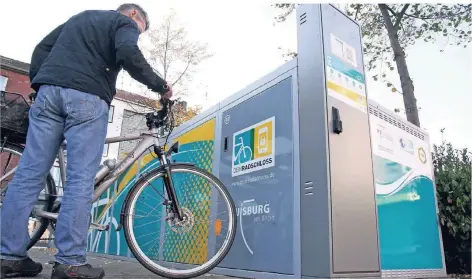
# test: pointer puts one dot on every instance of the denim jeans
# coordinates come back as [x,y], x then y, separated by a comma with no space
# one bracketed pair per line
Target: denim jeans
[81,119]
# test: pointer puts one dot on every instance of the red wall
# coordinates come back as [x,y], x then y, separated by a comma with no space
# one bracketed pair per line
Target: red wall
[17,83]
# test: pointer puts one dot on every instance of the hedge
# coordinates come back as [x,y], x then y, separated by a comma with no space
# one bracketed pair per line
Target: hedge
[452,171]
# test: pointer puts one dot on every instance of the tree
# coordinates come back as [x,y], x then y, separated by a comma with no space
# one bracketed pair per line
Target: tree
[452,172]
[387,31]
[175,58]
[183,114]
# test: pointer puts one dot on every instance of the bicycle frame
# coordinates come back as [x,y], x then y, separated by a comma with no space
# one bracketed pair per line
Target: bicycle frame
[241,146]
[148,140]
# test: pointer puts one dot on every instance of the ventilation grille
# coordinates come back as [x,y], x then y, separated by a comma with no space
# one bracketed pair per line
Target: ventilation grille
[302,18]
[395,122]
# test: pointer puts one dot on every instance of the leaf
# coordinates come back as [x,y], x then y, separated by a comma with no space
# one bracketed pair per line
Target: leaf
[389,84]
[394,89]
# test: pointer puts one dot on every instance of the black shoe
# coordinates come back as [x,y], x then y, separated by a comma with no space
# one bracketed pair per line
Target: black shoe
[64,271]
[19,268]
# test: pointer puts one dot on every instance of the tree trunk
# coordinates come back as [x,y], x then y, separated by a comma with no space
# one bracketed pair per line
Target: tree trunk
[408,89]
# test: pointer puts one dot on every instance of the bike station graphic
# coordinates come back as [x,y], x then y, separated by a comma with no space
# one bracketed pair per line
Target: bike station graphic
[253,148]
[407,145]
[422,155]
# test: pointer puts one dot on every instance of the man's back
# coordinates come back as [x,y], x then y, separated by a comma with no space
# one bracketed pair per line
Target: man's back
[87,52]
[83,56]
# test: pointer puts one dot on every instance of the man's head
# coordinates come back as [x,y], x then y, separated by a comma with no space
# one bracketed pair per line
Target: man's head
[136,13]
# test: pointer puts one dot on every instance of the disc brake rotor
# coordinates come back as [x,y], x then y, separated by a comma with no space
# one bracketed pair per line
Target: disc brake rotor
[185,225]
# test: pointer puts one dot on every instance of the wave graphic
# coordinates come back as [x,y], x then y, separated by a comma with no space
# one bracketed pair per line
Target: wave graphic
[408,228]
[391,177]
[387,171]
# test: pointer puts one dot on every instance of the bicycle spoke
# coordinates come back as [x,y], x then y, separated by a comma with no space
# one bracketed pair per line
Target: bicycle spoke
[147,215]
[152,197]
[147,223]
[147,234]
[7,164]
[152,187]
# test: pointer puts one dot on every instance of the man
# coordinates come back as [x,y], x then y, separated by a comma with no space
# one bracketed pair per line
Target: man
[74,70]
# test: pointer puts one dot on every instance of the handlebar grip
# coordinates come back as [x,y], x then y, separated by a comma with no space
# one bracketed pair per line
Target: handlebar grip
[165,102]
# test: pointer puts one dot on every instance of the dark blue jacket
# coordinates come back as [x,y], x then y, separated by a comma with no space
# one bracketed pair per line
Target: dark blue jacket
[87,52]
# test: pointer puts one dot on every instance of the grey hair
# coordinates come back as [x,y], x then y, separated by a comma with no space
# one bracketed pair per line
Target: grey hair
[131,6]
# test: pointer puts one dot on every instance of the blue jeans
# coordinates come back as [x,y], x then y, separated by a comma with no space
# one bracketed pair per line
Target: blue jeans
[81,119]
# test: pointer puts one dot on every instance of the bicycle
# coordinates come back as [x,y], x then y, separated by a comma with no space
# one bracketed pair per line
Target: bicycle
[242,151]
[178,219]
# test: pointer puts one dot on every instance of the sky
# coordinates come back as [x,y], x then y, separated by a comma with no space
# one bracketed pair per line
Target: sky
[245,44]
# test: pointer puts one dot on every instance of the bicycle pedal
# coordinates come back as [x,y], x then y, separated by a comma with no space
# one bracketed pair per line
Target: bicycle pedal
[99,227]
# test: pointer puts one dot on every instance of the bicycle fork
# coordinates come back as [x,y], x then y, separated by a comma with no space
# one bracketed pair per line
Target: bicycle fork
[174,203]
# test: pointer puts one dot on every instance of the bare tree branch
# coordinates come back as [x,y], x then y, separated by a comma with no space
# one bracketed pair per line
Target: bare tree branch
[166,48]
[442,16]
[400,16]
[358,7]
[390,10]
[183,73]
[173,53]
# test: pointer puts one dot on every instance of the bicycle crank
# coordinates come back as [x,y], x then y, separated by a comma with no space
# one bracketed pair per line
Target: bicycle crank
[98,227]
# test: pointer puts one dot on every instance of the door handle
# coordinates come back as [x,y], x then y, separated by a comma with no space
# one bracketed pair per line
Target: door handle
[337,123]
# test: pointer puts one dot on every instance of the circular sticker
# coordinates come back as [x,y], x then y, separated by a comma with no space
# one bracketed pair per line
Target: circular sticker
[422,155]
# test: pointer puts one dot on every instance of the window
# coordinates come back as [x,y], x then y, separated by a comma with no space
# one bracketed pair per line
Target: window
[105,150]
[110,114]
[3,83]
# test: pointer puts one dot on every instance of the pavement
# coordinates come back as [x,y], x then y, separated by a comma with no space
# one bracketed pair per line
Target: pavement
[119,269]
[116,269]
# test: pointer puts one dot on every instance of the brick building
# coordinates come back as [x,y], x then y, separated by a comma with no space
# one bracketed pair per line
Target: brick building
[14,76]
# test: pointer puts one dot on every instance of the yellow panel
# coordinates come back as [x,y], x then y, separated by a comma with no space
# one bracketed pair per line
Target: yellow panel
[203,132]
[348,93]
[263,140]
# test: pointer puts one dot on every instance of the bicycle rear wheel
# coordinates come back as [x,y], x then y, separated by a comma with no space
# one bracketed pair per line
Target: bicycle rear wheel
[9,159]
[151,233]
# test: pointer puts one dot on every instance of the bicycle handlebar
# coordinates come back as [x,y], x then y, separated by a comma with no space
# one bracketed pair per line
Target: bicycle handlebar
[154,119]
[157,119]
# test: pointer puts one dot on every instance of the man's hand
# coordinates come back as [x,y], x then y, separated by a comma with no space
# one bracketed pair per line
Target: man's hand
[168,94]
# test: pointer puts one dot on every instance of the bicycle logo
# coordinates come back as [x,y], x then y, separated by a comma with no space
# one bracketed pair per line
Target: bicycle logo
[244,153]
[253,148]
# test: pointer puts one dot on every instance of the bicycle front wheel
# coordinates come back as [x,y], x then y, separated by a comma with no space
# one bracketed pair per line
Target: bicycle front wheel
[182,249]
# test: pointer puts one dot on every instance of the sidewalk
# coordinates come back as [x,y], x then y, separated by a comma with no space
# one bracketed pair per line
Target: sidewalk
[114,269]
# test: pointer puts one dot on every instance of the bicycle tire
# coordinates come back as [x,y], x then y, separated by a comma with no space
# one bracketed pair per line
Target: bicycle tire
[51,188]
[151,266]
